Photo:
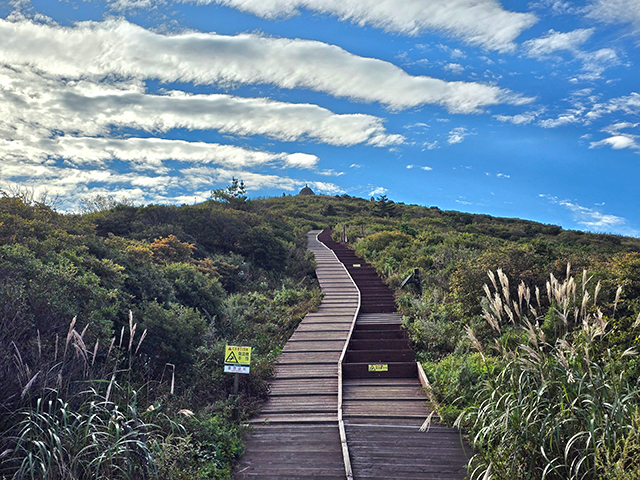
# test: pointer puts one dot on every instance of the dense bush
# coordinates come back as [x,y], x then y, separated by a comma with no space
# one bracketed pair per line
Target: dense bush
[135,387]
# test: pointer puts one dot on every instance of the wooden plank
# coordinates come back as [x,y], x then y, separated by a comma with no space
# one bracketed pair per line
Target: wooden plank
[308,357]
[314,346]
[321,418]
[309,335]
[324,326]
[305,385]
[321,370]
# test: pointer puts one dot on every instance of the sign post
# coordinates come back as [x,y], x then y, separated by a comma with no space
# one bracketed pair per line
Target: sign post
[236,360]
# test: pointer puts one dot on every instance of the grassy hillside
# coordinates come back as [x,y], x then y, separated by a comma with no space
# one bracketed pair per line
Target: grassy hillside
[113,325]
[528,333]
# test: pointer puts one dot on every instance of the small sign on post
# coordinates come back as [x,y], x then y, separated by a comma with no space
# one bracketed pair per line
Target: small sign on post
[237,360]
[234,355]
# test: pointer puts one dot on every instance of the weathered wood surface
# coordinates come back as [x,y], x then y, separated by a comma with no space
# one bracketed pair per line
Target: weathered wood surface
[296,435]
[383,411]
[383,414]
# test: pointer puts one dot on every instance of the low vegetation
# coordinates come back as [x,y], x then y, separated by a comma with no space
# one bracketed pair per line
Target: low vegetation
[113,324]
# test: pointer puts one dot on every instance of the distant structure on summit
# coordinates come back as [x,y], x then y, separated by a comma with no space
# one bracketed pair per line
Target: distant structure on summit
[306,191]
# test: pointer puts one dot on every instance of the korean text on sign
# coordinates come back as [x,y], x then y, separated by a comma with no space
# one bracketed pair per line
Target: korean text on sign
[234,355]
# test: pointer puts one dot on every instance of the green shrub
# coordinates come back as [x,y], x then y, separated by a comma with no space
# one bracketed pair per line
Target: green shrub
[455,380]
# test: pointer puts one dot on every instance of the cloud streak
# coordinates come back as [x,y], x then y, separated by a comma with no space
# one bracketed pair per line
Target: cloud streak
[616,11]
[554,42]
[31,103]
[478,22]
[146,153]
[588,217]
[117,47]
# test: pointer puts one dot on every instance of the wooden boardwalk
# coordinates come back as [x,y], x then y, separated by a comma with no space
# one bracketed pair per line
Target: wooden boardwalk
[297,434]
[328,415]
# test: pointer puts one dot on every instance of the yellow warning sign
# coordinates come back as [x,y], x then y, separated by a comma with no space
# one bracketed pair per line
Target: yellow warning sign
[379,368]
[237,355]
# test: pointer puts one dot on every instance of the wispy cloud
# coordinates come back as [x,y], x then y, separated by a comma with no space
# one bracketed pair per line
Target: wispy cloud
[457,135]
[554,42]
[629,104]
[591,218]
[567,118]
[594,63]
[122,49]
[616,11]
[454,68]
[478,22]
[519,119]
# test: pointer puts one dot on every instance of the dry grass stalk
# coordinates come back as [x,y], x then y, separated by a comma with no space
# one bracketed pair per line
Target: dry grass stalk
[132,329]
[95,352]
[142,337]
[615,303]
[474,341]
[69,335]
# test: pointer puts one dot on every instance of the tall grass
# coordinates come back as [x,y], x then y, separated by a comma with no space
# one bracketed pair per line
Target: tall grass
[557,405]
[80,418]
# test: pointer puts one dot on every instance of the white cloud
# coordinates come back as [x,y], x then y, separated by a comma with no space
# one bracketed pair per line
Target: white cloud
[478,22]
[121,49]
[519,119]
[557,7]
[562,120]
[256,181]
[33,104]
[618,142]
[629,105]
[377,191]
[588,217]
[457,135]
[554,42]
[616,127]
[595,63]
[454,68]
[616,11]
[430,145]
[72,183]
[417,126]
[426,169]
[145,153]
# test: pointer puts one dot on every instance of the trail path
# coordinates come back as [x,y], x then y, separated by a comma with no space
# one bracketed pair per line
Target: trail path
[329,414]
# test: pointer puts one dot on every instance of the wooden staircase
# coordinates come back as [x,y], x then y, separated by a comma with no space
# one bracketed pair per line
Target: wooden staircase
[347,399]
[383,400]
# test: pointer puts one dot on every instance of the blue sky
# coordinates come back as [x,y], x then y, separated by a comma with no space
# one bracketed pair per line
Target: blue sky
[517,109]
